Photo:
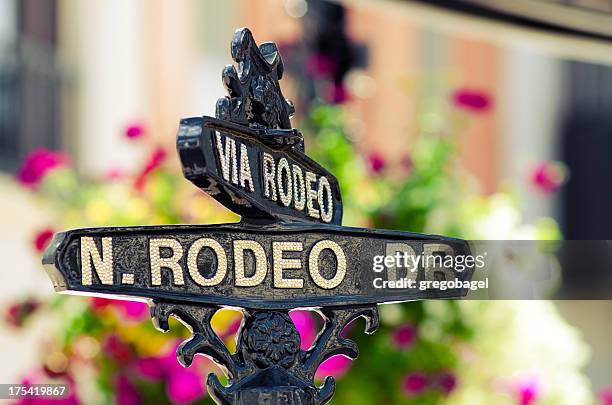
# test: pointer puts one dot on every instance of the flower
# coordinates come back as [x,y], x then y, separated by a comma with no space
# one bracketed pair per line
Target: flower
[447,382]
[320,64]
[117,349]
[156,158]
[605,396]
[131,310]
[336,366]
[135,130]
[126,392]
[376,162]
[42,239]
[183,385]
[306,326]
[38,164]
[403,337]
[548,176]
[18,313]
[472,100]
[337,93]
[414,384]
[527,392]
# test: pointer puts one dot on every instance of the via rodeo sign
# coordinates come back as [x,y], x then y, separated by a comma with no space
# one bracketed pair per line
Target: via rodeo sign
[289,250]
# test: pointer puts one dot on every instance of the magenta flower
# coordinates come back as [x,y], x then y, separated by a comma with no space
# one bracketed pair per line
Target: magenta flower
[548,177]
[414,384]
[306,326]
[472,100]
[134,310]
[447,382]
[527,392]
[335,366]
[135,130]
[337,94]
[376,162]
[605,396]
[126,393]
[38,164]
[403,337]
[183,385]
[320,65]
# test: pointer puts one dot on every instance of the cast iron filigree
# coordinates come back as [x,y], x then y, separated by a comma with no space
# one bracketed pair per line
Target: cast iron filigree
[268,365]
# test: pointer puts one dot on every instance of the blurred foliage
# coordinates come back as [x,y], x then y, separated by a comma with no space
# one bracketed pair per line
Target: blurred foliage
[421,352]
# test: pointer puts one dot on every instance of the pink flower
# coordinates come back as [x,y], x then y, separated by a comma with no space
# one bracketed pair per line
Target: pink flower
[605,396]
[156,158]
[447,382]
[38,164]
[403,337]
[150,368]
[376,162]
[472,100]
[306,326]
[114,174]
[414,384]
[130,310]
[42,239]
[135,130]
[548,176]
[126,392]
[336,366]
[134,310]
[184,386]
[527,392]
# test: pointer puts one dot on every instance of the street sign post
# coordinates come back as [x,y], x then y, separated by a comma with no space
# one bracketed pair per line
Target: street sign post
[289,250]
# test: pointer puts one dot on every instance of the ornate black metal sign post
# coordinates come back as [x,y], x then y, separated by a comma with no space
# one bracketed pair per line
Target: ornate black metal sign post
[289,251]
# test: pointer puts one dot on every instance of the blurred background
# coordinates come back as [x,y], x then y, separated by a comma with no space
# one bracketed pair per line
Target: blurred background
[452,118]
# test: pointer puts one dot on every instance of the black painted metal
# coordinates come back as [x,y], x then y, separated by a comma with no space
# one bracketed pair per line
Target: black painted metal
[268,365]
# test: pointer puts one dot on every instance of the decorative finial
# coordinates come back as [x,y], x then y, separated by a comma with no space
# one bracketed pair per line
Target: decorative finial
[255,98]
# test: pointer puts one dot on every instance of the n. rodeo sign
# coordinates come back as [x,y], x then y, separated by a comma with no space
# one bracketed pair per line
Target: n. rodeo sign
[289,251]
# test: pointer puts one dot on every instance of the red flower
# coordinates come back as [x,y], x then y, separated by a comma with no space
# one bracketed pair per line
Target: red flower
[42,239]
[403,337]
[473,100]
[156,158]
[376,162]
[117,349]
[548,177]
[38,164]
[18,313]
[414,384]
[135,130]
